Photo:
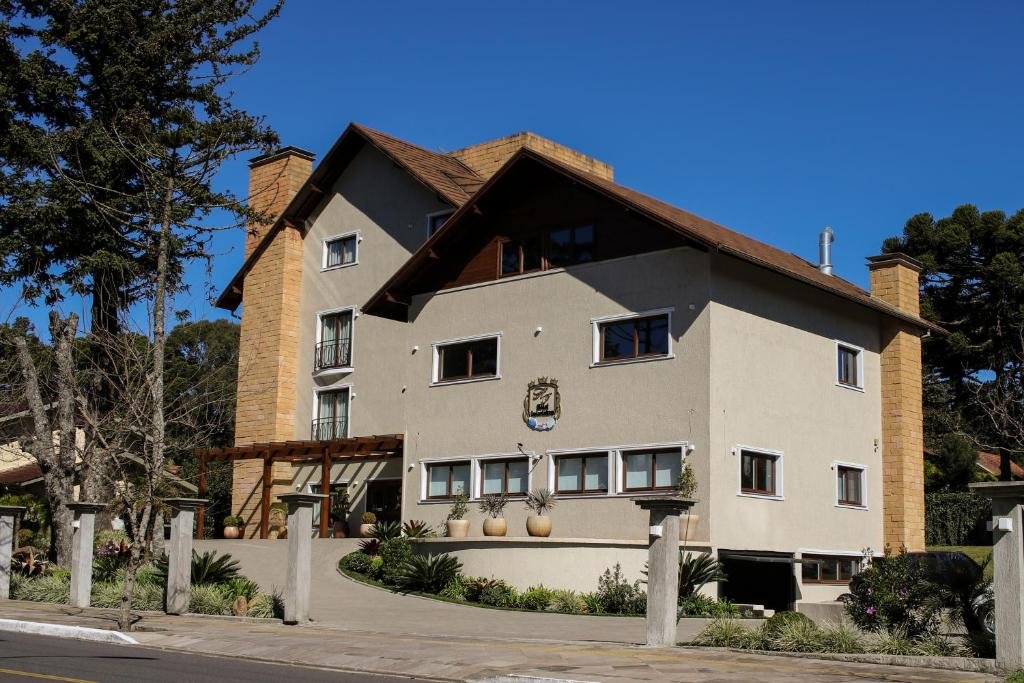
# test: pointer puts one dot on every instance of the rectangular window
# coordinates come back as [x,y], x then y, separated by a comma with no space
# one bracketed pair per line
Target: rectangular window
[340,251]
[587,473]
[334,350]
[568,246]
[436,220]
[447,479]
[642,337]
[758,473]
[829,568]
[848,366]
[651,470]
[520,256]
[505,476]
[331,415]
[477,359]
[850,485]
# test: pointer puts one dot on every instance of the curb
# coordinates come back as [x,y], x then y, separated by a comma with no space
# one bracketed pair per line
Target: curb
[97,635]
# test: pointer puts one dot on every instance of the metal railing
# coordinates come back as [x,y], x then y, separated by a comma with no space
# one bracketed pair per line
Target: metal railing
[332,354]
[327,428]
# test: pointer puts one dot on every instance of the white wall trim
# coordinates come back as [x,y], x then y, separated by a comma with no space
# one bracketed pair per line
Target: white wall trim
[780,492]
[435,359]
[323,258]
[860,365]
[595,327]
[863,483]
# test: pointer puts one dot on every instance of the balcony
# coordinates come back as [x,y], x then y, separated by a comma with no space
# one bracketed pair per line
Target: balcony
[327,428]
[332,355]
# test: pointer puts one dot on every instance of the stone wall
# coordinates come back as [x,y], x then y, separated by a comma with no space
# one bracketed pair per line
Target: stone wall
[487,157]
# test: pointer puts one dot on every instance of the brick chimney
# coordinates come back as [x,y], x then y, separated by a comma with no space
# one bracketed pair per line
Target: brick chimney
[487,157]
[274,179]
[894,280]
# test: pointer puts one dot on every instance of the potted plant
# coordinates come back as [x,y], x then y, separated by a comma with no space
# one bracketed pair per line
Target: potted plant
[339,513]
[686,486]
[493,505]
[539,502]
[366,528]
[233,526]
[457,526]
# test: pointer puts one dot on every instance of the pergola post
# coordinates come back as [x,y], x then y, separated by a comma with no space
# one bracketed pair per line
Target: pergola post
[325,488]
[8,523]
[179,553]
[662,567]
[1008,559]
[300,521]
[201,495]
[81,551]
[268,483]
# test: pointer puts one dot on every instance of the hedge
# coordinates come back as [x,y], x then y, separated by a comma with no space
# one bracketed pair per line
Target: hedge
[956,519]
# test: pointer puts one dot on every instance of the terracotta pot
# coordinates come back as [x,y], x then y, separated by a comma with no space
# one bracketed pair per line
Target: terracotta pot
[458,528]
[538,525]
[340,530]
[495,526]
[365,530]
[688,527]
[232,532]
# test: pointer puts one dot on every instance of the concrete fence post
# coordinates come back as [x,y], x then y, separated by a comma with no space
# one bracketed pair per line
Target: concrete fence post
[662,567]
[1008,560]
[81,551]
[8,523]
[179,553]
[300,546]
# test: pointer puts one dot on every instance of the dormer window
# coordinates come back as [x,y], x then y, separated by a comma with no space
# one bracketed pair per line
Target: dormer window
[436,220]
[340,251]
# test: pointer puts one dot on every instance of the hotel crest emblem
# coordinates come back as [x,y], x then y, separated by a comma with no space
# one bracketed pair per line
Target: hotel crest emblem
[542,406]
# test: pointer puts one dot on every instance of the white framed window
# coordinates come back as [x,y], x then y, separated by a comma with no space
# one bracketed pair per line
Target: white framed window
[616,470]
[437,219]
[508,474]
[335,340]
[445,479]
[341,251]
[469,359]
[632,338]
[849,366]
[331,413]
[759,472]
[851,485]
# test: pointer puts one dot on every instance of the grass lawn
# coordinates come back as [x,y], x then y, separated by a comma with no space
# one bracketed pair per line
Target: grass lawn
[978,553]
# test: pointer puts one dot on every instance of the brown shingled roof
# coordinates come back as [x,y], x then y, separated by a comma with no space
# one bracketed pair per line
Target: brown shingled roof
[21,474]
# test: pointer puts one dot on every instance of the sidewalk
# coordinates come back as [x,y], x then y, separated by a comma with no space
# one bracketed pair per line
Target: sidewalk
[446,657]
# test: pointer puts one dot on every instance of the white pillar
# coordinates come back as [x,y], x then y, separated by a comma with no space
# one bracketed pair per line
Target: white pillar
[662,567]
[179,553]
[81,551]
[1008,559]
[300,545]
[8,522]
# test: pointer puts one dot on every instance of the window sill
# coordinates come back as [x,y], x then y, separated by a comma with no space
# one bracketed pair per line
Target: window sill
[851,387]
[630,361]
[339,267]
[470,380]
[326,372]
[847,506]
[762,496]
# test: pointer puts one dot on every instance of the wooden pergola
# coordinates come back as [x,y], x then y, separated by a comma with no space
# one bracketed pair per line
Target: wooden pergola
[324,452]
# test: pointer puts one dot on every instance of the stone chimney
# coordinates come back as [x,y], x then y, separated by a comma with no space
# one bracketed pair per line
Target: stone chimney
[894,280]
[274,179]
[487,157]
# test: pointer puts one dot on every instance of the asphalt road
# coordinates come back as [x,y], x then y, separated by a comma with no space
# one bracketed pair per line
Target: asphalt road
[41,658]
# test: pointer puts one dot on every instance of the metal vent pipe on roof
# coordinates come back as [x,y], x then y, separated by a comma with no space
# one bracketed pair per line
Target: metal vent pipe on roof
[825,241]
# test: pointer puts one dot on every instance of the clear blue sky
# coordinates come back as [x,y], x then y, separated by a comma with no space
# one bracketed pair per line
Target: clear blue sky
[772,118]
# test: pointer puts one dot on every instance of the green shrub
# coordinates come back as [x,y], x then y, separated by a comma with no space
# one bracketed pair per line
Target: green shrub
[266,606]
[475,585]
[500,594]
[537,598]
[618,596]
[455,590]
[55,588]
[955,518]
[937,645]
[241,587]
[893,642]
[357,562]
[385,531]
[796,635]
[1015,677]
[210,567]
[695,571]
[210,599]
[428,574]
[416,528]
[146,574]
[842,639]
[702,606]
[778,620]
[369,546]
[894,594]
[724,633]
[376,567]
[394,553]
[107,568]
[592,601]
[568,602]
[146,596]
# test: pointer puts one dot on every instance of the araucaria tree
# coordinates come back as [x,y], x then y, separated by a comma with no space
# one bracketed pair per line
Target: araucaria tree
[146,122]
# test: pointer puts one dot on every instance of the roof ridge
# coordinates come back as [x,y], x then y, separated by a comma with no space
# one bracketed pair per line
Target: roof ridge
[389,136]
